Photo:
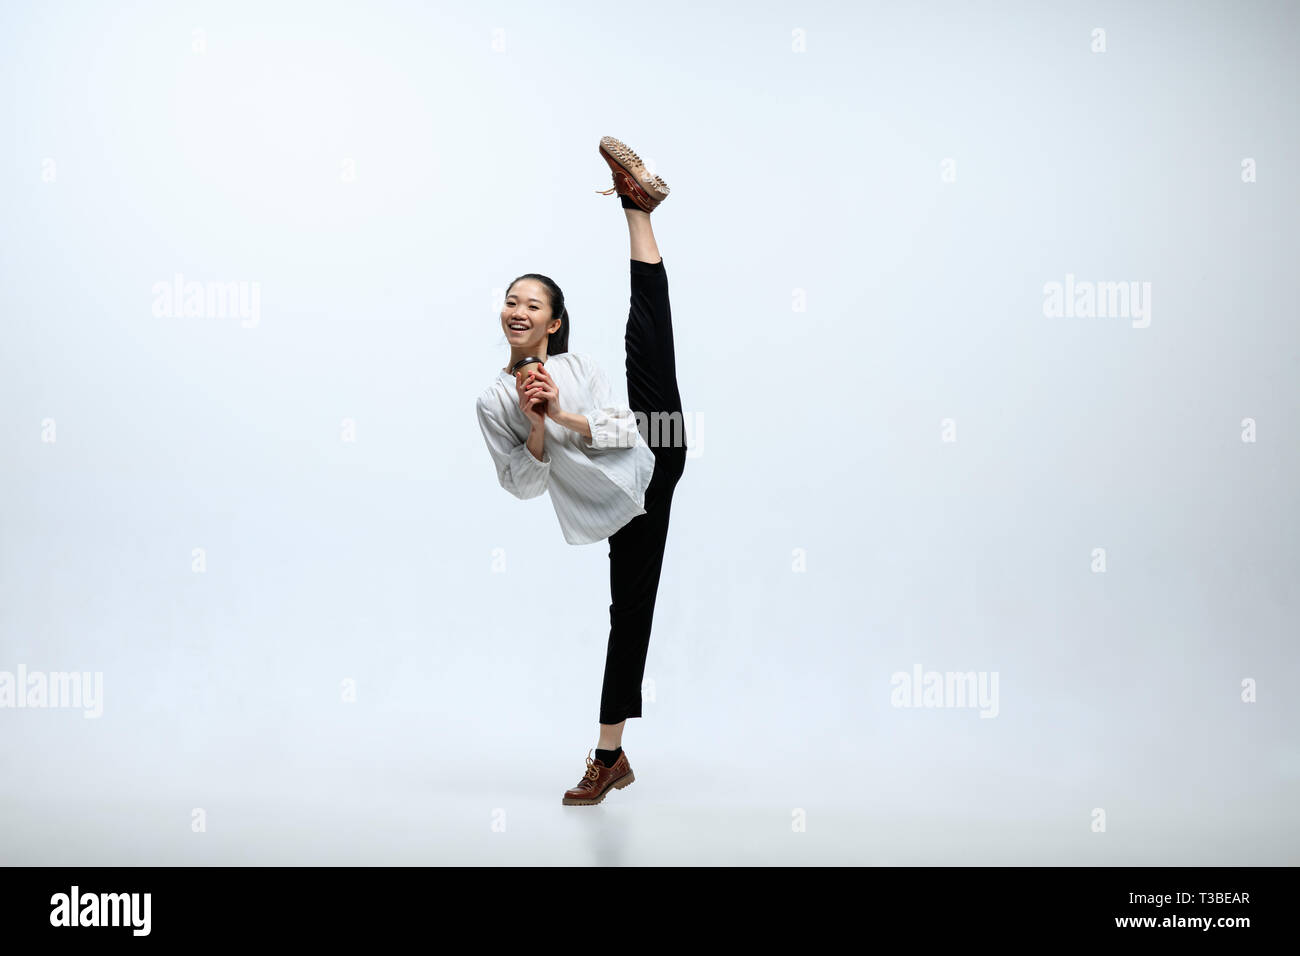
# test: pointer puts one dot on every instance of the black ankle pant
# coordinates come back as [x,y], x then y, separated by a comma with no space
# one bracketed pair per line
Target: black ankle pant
[636,551]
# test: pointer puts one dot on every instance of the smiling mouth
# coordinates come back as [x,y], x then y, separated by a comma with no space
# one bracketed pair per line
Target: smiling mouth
[518,327]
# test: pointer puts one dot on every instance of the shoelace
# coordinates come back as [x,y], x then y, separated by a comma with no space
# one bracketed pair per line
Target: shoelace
[614,188]
[658,184]
[592,772]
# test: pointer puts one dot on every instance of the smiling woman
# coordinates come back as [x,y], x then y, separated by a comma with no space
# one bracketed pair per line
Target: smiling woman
[534,316]
[552,425]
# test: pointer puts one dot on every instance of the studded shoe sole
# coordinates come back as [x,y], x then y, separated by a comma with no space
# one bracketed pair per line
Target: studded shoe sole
[631,178]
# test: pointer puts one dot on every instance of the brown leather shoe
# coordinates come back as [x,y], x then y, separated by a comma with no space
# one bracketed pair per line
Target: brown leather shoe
[631,178]
[598,781]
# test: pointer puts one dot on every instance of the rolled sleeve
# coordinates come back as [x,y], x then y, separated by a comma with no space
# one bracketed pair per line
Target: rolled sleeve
[612,425]
[611,428]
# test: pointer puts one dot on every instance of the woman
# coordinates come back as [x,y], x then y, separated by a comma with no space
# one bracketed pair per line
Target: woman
[610,474]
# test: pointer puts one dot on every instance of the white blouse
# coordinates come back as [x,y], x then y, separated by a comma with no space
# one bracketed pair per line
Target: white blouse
[596,487]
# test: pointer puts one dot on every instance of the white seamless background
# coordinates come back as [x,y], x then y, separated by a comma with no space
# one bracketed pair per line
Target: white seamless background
[797,177]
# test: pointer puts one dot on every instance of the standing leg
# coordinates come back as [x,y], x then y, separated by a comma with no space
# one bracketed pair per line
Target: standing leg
[636,550]
[636,556]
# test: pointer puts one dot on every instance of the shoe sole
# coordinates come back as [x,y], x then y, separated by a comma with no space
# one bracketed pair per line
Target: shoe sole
[618,784]
[627,164]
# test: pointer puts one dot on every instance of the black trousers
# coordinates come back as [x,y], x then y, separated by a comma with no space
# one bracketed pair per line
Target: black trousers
[636,551]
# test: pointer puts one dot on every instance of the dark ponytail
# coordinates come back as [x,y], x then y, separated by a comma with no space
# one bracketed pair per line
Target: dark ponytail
[557,341]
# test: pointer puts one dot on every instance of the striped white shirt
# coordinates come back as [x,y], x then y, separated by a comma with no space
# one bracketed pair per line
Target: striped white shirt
[596,487]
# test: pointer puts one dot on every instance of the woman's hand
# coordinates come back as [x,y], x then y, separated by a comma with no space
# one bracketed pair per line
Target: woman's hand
[543,386]
[533,406]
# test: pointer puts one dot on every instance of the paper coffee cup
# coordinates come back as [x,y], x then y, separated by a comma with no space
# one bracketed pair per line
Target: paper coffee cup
[521,375]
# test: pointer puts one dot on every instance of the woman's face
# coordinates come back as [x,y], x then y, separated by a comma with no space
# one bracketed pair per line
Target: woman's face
[526,316]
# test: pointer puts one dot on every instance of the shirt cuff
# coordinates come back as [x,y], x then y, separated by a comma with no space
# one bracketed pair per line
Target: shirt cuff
[610,431]
[596,422]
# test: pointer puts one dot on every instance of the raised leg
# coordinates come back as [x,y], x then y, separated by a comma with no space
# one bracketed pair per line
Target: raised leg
[644,248]
[652,390]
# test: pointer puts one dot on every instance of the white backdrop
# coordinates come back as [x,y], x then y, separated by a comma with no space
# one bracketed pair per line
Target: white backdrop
[901,458]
